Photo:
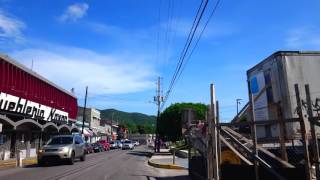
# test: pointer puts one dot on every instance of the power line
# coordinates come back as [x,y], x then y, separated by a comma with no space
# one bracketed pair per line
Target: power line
[189,35]
[188,42]
[192,32]
[201,33]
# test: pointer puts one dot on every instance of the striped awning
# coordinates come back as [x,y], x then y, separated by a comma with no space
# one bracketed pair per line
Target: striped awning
[87,132]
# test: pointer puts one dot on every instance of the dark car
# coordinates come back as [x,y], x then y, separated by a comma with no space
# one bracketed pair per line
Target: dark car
[88,148]
[97,147]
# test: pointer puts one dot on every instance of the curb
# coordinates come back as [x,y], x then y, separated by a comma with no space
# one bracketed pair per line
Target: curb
[165,166]
[12,163]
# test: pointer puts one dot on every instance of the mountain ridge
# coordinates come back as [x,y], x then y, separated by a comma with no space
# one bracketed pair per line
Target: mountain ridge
[123,117]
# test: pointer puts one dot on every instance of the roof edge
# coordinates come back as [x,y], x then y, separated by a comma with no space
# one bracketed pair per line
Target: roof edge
[29,71]
[282,53]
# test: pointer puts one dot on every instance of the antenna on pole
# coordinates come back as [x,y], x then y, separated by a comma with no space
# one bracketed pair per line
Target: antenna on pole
[84,109]
[31,64]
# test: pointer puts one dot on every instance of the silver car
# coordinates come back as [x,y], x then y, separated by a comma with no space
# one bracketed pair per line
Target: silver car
[62,147]
[127,144]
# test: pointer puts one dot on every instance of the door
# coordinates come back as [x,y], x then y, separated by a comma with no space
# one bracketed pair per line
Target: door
[78,146]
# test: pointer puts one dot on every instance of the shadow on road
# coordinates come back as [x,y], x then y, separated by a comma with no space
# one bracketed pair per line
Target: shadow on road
[140,153]
[49,164]
[170,178]
[174,177]
[31,166]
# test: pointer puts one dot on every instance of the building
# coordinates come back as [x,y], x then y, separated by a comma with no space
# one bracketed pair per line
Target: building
[94,129]
[112,128]
[32,109]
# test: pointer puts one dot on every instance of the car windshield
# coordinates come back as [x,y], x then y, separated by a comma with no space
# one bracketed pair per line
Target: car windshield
[60,140]
[127,142]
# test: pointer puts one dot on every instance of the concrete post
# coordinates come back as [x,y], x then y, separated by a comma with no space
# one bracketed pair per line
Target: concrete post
[174,156]
[28,144]
[19,159]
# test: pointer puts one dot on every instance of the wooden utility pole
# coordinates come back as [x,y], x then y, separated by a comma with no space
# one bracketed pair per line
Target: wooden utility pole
[253,133]
[282,134]
[189,112]
[209,145]
[218,138]
[315,147]
[303,134]
[84,109]
[213,135]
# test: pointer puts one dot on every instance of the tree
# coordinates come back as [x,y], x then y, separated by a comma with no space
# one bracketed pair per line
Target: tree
[170,119]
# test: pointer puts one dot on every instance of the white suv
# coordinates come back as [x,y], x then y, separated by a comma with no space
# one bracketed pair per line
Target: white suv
[62,147]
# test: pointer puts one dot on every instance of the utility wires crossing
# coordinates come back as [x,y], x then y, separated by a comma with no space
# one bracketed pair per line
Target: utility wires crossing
[183,57]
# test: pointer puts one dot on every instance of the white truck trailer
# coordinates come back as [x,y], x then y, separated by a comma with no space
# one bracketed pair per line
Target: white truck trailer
[276,76]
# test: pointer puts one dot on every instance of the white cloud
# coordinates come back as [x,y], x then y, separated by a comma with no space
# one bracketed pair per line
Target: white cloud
[10,27]
[74,12]
[303,38]
[76,68]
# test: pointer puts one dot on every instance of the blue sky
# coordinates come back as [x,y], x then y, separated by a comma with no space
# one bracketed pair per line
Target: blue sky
[119,48]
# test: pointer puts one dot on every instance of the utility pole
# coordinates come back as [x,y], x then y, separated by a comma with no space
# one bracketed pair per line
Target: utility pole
[213,137]
[111,126]
[238,103]
[84,109]
[158,100]
[32,65]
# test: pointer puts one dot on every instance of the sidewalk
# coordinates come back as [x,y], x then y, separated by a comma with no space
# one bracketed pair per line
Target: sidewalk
[164,159]
[12,163]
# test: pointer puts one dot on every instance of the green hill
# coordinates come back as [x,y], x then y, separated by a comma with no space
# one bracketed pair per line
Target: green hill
[135,122]
[128,118]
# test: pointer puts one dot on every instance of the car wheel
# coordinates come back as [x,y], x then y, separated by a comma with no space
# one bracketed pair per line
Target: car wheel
[71,160]
[41,163]
[83,157]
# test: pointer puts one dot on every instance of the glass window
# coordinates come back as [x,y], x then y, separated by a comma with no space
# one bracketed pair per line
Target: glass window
[267,77]
[60,140]
[2,139]
[78,140]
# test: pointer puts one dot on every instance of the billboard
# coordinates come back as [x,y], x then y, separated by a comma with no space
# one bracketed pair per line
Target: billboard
[30,109]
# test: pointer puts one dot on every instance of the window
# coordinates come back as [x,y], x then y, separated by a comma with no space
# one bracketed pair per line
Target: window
[60,140]
[267,78]
[78,140]
[2,139]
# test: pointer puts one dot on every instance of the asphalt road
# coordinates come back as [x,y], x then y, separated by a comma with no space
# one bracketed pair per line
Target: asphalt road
[112,165]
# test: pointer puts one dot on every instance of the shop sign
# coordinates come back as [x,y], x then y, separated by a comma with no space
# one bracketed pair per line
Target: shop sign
[10,103]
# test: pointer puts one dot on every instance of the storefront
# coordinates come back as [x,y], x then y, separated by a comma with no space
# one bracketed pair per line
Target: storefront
[32,109]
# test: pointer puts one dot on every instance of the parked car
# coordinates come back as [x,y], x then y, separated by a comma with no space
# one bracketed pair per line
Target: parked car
[105,144]
[62,147]
[136,143]
[97,147]
[119,144]
[113,145]
[127,144]
[88,148]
